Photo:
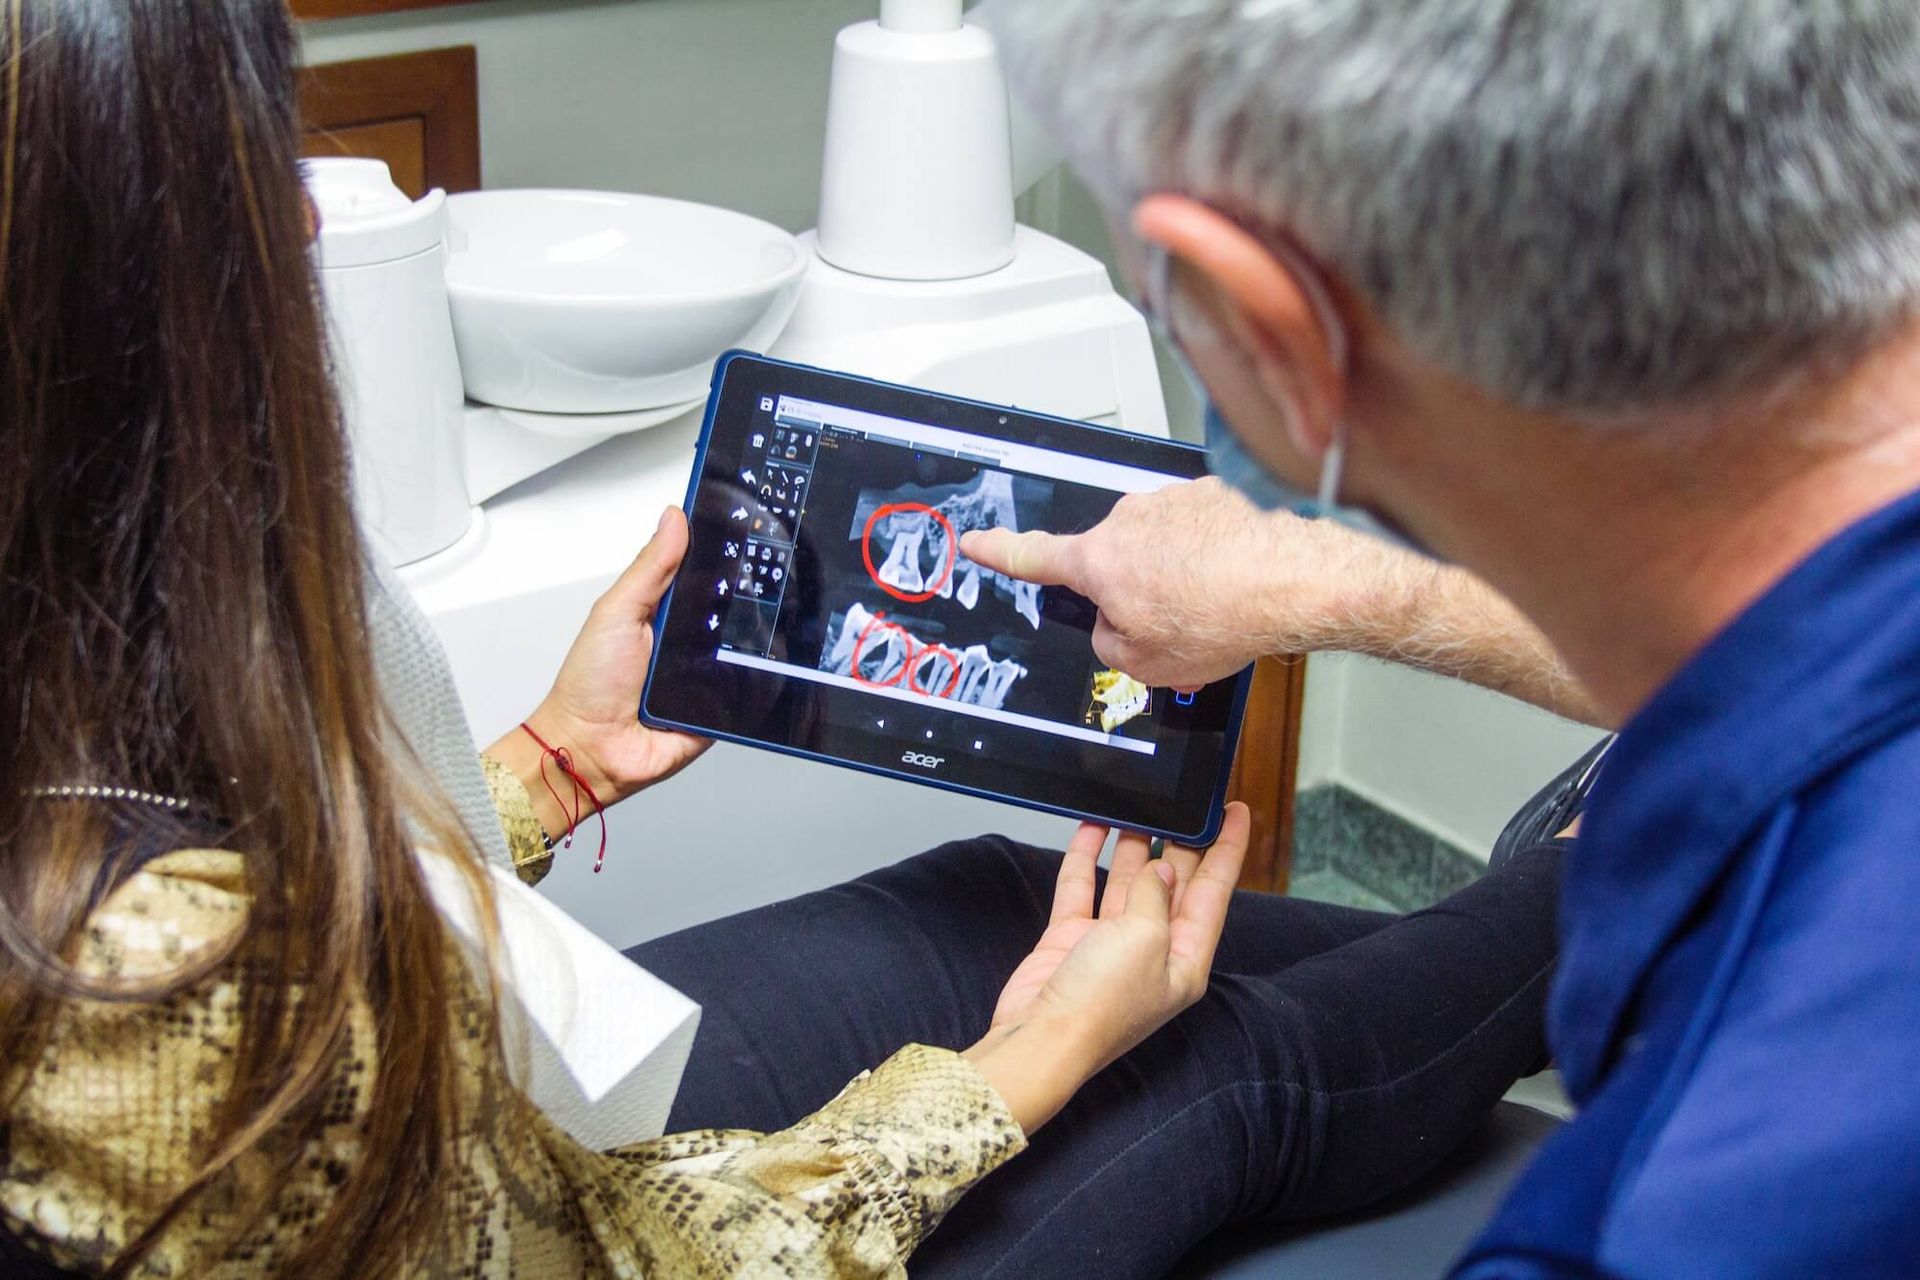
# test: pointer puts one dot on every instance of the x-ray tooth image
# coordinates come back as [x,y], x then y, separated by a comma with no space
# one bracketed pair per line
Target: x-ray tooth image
[916,547]
[910,537]
[891,656]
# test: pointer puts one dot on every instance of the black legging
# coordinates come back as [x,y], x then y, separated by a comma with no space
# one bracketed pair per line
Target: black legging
[1338,1055]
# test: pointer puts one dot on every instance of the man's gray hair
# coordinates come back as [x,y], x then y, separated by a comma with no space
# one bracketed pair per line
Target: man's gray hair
[1589,205]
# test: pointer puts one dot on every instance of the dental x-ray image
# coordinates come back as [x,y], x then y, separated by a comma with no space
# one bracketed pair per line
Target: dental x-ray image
[876,590]
[888,655]
[910,537]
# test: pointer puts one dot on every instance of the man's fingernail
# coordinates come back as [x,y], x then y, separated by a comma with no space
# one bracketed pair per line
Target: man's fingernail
[665,516]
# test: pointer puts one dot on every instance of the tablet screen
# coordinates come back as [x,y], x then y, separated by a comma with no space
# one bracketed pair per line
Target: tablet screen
[825,607]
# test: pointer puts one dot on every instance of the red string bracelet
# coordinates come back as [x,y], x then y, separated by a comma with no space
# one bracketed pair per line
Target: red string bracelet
[563,759]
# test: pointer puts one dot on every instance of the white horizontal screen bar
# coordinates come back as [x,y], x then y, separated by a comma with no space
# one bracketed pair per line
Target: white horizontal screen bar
[756,662]
[1050,463]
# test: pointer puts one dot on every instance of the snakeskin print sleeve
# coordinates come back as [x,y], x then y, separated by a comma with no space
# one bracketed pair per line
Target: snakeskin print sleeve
[850,1191]
[115,1114]
[525,840]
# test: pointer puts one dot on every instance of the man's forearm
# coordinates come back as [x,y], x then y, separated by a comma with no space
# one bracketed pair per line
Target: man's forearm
[1460,627]
[1409,610]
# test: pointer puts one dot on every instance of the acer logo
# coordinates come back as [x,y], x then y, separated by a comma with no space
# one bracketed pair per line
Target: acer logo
[924,762]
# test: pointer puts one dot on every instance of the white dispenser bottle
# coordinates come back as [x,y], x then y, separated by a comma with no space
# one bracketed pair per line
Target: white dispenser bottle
[383,268]
[918,178]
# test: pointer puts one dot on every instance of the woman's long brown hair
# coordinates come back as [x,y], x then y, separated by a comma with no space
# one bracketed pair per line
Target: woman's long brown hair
[181,585]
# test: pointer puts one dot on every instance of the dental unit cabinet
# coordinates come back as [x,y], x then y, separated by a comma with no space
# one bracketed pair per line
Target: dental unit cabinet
[523,374]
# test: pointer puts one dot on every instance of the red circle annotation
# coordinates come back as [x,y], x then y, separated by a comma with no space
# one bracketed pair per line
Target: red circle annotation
[908,508]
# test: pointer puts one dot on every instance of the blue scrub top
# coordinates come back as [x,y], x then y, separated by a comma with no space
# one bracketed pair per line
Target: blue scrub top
[1737,1010]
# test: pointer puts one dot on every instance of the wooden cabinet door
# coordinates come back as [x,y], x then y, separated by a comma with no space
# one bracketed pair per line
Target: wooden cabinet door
[1266,769]
[419,112]
[316,9]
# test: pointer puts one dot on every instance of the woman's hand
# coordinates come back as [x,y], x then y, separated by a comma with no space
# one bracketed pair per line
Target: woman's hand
[593,709]
[1105,976]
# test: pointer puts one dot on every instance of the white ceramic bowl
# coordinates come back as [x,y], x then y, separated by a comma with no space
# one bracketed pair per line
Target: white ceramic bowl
[597,302]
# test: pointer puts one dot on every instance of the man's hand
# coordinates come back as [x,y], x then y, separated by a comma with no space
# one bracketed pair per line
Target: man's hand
[1194,582]
[1109,973]
[593,708]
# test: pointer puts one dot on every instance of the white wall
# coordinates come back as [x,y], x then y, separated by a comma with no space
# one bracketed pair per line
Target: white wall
[1452,758]
[1322,719]
[722,101]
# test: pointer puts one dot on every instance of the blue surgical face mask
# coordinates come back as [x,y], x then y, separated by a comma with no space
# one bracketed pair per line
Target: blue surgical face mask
[1229,459]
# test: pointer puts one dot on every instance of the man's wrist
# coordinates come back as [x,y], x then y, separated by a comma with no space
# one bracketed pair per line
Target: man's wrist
[1408,589]
[1380,596]
[1290,620]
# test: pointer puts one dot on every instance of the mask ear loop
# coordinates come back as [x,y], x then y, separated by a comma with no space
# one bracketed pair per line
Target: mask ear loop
[1159,286]
[1333,467]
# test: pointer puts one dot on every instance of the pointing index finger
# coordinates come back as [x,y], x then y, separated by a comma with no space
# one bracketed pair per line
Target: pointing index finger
[1045,558]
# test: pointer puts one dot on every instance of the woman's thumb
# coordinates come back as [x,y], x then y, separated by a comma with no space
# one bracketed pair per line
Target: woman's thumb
[639,589]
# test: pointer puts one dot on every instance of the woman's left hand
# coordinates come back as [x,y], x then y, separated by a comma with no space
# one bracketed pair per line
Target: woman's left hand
[1097,955]
[592,710]
[1111,969]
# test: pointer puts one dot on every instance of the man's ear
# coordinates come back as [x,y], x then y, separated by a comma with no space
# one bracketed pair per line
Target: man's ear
[1271,308]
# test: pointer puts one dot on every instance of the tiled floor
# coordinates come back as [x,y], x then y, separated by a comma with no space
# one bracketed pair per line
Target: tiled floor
[1543,1093]
[1331,886]
[1382,854]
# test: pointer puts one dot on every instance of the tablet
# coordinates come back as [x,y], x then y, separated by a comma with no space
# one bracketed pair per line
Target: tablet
[824,609]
